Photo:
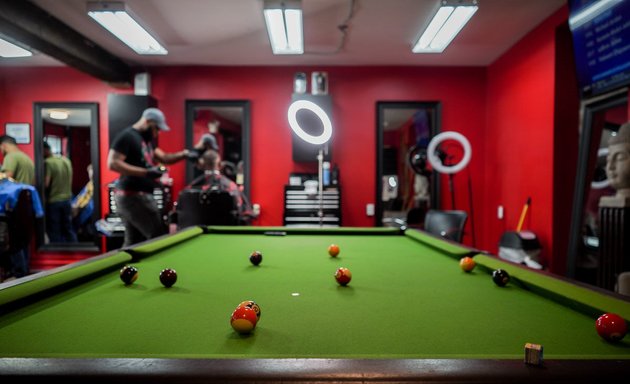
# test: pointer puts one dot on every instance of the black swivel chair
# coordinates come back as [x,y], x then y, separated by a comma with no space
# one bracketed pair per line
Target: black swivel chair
[210,207]
[446,224]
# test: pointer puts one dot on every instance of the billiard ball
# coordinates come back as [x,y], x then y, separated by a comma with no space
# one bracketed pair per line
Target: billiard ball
[500,277]
[467,263]
[343,276]
[128,274]
[333,250]
[168,277]
[255,257]
[611,327]
[251,304]
[243,319]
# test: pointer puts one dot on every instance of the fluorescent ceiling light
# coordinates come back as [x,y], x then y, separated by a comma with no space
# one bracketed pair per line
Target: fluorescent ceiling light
[284,26]
[11,50]
[58,115]
[118,20]
[445,25]
[590,12]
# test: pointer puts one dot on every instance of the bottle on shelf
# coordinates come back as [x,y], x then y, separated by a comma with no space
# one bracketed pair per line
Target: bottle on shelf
[326,173]
[335,175]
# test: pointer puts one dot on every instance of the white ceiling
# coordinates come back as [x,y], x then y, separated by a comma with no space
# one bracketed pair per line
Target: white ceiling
[232,32]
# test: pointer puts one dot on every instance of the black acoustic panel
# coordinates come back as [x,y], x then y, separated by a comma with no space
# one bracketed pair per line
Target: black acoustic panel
[390,161]
[125,110]
[304,152]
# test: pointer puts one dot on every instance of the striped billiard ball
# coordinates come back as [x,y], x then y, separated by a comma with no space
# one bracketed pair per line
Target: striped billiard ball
[255,257]
[343,276]
[243,319]
[128,274]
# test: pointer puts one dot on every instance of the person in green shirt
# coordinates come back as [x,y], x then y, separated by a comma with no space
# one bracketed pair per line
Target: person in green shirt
[17,165]
[58,182]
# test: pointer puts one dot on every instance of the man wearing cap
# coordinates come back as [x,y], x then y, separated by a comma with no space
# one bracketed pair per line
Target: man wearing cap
[135,157]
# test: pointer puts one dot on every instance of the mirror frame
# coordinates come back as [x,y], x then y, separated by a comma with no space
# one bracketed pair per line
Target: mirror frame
[587,111]
[435,129]
[38,136]
[191,105]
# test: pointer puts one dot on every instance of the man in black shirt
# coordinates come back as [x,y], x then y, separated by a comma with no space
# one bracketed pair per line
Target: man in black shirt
[134,155]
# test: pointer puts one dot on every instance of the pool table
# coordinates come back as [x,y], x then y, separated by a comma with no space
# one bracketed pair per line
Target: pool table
[409,314]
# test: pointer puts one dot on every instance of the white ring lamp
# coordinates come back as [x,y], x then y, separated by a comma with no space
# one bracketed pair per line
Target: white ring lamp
[435,160]
[602,152]
[319,112]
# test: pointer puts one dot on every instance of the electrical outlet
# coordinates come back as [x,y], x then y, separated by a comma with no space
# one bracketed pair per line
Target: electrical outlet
[369,209]
[500,212]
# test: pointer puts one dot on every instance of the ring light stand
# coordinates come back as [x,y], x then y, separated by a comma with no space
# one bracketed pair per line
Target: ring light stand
[434,155]
[315,140]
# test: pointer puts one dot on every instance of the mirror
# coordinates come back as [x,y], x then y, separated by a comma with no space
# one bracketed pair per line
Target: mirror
[228,122]
[601,119]
[403,195]
[66,139]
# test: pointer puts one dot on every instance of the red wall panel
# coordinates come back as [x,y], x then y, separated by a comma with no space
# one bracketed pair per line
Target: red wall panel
[519,137]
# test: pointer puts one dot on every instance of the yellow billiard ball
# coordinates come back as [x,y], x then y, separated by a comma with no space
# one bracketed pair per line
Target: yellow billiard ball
[467,263]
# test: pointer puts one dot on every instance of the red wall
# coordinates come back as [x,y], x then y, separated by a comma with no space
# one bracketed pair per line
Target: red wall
[519,137]
[355,92]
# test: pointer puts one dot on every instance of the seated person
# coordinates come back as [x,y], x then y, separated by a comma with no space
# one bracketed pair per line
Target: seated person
[83,204]
[212,179]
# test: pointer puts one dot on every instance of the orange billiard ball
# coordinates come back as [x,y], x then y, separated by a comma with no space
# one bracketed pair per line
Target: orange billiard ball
[611,327]
[467,263]
[343,276]
[333,250]
[243,319]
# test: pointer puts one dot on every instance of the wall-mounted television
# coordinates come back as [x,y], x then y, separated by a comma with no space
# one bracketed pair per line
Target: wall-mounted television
[601,43]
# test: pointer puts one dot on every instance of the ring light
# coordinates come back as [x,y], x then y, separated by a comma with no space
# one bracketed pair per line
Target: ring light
[319,112]
[602,152]
[435,160]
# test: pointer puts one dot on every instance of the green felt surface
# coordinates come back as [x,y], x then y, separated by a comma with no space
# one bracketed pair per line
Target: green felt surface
[406,299]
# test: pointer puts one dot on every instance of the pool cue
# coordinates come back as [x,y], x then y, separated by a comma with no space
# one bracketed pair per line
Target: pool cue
[523,213]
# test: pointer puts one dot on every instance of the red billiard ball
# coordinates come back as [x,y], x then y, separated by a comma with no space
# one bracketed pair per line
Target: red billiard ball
[500,277]
[333,250]
[128,274]
[243,319]
[611,327]
[255,257]
[467,263]
[343,276]
[251,304]
[168,277]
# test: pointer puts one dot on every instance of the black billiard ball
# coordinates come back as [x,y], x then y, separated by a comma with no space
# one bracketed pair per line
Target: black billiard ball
[168,277]
[500,277]
[128,274]
[255,257]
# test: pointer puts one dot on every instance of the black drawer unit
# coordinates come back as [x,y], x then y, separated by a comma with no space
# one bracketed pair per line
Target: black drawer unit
[301,207]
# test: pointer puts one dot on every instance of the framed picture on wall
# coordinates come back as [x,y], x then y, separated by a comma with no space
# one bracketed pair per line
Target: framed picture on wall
[21,132]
